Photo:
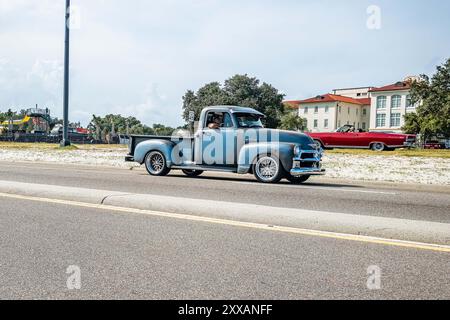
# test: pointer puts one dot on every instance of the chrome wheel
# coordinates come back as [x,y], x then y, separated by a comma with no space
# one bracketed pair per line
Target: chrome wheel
[378,146]
[267,169]
[155,162]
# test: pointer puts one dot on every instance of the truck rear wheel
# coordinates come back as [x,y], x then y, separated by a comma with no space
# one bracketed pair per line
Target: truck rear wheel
[192,173]
[156,164]
[268,169]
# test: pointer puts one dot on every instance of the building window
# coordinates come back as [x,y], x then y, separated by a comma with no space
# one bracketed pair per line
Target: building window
[325,123]
[381,102]
[316,124]
[364,112]
[327,109]
[305,124]
[316,110]
[306,110]
[339,123]
[396,102]
[340,109]
[395,119]
[359,127]
[409,103]
[381,120]
[357,112]
[348,110]
[364,126]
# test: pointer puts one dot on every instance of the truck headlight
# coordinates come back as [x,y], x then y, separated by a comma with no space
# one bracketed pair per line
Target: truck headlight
[297,150]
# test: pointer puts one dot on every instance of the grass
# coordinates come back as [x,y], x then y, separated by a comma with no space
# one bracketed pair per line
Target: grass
[398,152]
[51,146]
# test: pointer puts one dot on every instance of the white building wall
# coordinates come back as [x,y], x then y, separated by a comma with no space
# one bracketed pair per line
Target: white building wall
[311,116]
[353,115]
[356,93]
[388,111]
[335,118]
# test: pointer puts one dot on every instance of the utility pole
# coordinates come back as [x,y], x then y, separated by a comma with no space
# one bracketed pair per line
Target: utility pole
[65,141]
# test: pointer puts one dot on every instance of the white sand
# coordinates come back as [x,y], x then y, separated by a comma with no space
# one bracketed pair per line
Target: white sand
[355,167]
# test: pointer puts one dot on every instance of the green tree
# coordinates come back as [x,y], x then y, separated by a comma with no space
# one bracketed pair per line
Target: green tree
[102,127]
[162,130]
[433,99]
[2,117]
[240,90]
[292,121]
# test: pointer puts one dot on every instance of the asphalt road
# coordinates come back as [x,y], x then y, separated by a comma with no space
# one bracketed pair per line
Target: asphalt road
[130,256]
[407,202]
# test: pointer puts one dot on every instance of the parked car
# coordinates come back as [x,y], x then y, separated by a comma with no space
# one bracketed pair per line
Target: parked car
[349,137]
[434,144]
[231,139]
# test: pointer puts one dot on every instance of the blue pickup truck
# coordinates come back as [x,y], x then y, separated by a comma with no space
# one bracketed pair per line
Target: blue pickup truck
[231,139]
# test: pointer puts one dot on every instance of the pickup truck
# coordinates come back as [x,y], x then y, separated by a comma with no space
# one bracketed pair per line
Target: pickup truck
[231,139]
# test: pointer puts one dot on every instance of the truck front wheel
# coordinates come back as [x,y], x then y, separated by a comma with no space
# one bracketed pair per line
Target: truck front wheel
[297,180]
[156,164]
[268,169]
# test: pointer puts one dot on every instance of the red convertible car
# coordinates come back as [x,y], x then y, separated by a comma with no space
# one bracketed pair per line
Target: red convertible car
[350,138]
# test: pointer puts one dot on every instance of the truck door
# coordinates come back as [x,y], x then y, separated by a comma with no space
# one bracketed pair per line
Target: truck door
[216,146]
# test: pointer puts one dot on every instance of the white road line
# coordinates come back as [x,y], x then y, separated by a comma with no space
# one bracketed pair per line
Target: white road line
[247,225]
[318,188]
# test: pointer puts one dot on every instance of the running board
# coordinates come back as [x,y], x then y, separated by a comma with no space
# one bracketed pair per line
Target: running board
[206,168]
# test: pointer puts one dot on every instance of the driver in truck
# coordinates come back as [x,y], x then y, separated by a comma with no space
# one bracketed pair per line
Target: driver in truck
[216,123]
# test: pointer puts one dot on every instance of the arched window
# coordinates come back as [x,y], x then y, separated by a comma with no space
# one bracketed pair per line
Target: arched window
[396,102]
[381,102]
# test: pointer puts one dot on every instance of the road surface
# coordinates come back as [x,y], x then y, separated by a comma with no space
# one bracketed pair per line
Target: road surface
[130,256]
[417,203]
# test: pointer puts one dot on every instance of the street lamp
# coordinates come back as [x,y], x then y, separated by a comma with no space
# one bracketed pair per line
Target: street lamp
[66,141]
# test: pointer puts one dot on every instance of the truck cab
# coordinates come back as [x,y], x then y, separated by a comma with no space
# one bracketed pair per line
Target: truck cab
[231,139]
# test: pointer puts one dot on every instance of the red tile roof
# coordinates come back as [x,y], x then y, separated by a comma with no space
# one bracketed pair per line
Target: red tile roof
[365,101]
[328,98]
[402,85]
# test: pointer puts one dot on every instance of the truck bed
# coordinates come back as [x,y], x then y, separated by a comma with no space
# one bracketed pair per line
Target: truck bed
[136,139]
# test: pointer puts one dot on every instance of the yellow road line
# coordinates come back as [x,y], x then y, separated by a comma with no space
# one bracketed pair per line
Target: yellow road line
[249,225]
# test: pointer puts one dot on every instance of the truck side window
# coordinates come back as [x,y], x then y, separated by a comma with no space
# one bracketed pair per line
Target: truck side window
[210,118]
[227,122]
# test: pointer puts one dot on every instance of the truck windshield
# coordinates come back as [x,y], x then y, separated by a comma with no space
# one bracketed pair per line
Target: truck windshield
[248,120]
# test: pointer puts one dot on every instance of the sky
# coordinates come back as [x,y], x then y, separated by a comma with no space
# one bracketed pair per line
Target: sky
[138,58]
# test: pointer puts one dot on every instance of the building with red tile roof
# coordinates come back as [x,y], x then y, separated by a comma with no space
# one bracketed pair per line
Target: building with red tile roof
[377,109]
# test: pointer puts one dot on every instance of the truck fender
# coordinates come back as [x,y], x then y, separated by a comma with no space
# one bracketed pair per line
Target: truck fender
[163,146]
[250,152]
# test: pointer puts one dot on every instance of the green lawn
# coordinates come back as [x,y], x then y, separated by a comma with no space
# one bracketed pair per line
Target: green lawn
[398,152]
[51,146]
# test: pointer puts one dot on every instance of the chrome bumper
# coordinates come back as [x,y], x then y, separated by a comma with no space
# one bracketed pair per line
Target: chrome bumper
[308,163]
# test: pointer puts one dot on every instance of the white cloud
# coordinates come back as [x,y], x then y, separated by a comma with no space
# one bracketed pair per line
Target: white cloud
[140,57]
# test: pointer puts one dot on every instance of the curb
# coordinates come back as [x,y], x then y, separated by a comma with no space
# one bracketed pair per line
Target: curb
[389,228]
